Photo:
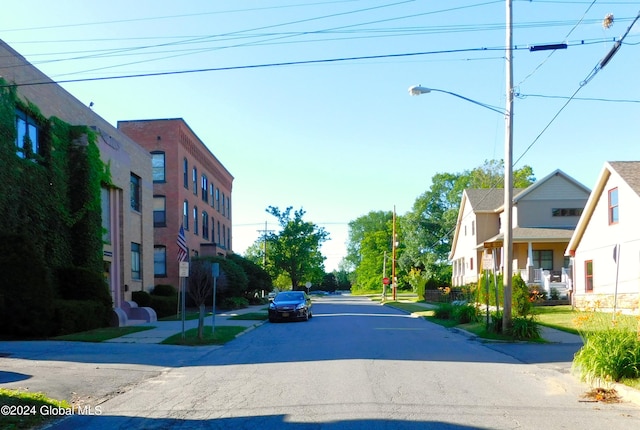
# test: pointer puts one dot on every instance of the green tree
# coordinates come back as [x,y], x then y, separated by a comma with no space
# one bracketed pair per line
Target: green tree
[295,250]
[200,287]
[430,225]
[259,279]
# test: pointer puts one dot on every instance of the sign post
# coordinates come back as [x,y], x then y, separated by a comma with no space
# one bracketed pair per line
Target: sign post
[184,274]
[385,283]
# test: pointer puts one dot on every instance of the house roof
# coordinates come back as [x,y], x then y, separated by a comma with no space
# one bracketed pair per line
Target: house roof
[538,184]
[628,171]
[528,234]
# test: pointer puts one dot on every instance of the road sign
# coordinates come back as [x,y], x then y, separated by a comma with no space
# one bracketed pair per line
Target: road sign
[487,262]
[184,269]
[385,281]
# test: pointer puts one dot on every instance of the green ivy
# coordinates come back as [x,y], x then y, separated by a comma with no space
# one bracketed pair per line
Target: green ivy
[52,197]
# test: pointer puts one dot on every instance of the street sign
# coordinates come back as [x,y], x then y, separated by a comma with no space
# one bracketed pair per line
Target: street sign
[184,269]
[487,262]
[385,281]
[215,269]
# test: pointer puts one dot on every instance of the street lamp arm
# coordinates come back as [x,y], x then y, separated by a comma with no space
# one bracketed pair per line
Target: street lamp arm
[416,90]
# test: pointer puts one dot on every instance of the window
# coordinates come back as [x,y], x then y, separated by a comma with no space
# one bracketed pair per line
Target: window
[185,173]
[135,261]
[185,215]
[157,166]
[224,235]
[159,211]
[218,199]
[194,178]
[205,225]
[473,228]
[159,260]
[106,214]
[218,242]
[224,207]
[543,259]
[205,188]
[613,206]
[588,275]
[195,220]
[27,139]
[566,211]
[229,207]
[471,264]
[134,190]
[211,194]
[228,238]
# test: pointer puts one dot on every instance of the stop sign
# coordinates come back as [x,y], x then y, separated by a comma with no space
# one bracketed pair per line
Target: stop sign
[385,281]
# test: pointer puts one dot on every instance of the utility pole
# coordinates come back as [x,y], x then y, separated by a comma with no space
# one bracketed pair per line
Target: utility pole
[508,174]
[394,284]
[264,244]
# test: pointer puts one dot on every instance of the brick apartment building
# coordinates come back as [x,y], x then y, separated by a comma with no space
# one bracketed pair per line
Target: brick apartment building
[190,188]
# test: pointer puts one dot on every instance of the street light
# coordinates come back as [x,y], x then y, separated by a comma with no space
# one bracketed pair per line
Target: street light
[508,167]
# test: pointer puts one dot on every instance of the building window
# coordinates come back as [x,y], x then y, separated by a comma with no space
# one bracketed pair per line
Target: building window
[542,259]
[204,188]
[205,225]
[224,235]
[157,166]
[218,242]
[211,194]
[613,206]
[135,261]
[218,199]
[229,207]
[185,215]
[588,275]
[159,260]
[228,238]
[473,228]
[185,173]
[27,139]
[194,178]
[195,220]
[134,190]
[566,211]
[471,264]
[106,214]
[159,211]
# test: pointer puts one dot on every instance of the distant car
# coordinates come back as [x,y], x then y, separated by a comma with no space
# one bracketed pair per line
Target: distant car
[290,305]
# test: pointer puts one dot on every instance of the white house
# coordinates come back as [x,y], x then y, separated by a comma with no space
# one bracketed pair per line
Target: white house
[605,247]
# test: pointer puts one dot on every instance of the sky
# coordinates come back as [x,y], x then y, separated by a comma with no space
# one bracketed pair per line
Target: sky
[306,102]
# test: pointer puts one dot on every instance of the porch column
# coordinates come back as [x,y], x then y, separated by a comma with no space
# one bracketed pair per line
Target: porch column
[530,274]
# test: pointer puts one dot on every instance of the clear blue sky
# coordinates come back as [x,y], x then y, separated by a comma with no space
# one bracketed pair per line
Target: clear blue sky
[342,138]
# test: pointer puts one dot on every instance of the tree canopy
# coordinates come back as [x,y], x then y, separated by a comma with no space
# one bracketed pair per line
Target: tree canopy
[295,249]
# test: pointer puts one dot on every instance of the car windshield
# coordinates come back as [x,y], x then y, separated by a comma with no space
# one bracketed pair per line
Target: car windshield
[289,297]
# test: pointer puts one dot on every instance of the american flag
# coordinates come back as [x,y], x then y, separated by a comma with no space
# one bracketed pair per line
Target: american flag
[183,251]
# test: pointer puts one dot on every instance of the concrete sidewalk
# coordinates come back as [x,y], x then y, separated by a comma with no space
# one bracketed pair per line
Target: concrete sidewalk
[165,329]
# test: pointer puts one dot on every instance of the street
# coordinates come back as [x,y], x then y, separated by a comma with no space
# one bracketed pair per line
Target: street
[356,364]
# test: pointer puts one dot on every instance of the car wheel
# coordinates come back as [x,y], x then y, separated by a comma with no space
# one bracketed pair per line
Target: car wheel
[272,319]
[306,315]
[310,314]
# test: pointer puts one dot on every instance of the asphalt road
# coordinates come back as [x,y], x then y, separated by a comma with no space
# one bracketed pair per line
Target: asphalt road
[355,365]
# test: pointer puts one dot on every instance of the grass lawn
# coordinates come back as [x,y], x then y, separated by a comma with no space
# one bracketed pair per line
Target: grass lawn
[102,334]
[190,315]
[222,335]
[558,317]
[258,316]
[30,403]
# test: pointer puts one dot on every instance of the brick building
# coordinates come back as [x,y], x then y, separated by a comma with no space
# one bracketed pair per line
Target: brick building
[190,188]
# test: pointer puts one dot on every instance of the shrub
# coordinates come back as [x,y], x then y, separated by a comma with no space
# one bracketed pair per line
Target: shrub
[234,303]
[164,306]
[554,294]
[611,350]
[26,288]
[523,328]
[79,283]
[142,298]
[164,290]
[522,305]
[495,324]
[444,311]
[73,316]
[465,313]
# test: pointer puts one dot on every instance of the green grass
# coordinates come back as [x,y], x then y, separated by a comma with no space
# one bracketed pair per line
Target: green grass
[411,308]
[258,316]
[222,335]
[190,315]
[32,402]
[102,334]
[558,317]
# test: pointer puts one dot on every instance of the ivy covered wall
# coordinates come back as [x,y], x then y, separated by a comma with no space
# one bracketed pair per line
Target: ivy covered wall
[52,198]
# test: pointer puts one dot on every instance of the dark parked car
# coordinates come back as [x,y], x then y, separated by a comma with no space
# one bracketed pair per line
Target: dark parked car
[290,305]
